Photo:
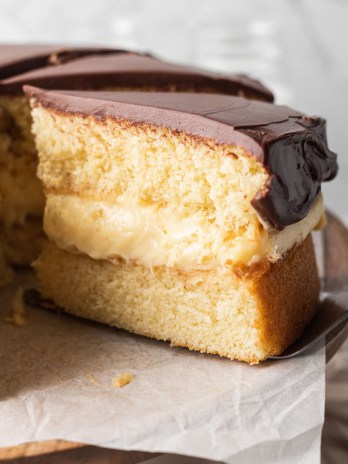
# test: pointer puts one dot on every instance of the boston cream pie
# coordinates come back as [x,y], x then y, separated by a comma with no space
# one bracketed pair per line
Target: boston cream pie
[182,217]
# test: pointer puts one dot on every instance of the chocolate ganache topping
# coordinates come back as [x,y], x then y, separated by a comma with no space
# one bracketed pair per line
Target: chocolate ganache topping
[93,68]
[19,59]
[291,146]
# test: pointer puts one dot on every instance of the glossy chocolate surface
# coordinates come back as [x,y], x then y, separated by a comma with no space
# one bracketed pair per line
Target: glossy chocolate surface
[19,59]
[93,69]
[292,147]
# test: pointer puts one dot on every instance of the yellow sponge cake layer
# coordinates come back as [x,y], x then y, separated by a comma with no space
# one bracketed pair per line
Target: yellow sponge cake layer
[246,317]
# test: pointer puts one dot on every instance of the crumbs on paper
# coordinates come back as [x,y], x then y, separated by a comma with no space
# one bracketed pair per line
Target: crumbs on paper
[122,380]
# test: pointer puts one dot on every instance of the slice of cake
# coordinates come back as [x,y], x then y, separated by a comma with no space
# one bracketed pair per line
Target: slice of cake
[182,217]
[74,68]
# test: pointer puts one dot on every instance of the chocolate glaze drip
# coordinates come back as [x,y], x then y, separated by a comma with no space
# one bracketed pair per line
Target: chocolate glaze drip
[297,166]
[89,68]
[291,146]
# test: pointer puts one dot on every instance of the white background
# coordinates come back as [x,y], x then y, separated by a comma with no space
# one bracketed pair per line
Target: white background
[301,52]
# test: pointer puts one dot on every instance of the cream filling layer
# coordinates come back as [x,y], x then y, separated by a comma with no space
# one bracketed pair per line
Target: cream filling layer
[153,237]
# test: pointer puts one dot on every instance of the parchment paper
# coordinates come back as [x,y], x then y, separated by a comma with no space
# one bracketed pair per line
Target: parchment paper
[56,375]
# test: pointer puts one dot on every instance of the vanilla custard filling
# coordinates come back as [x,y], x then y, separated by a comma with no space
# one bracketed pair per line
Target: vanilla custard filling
[157,237]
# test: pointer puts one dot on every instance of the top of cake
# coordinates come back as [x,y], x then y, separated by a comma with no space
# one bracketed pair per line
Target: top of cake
[291,146]
[19,59]
[90,68]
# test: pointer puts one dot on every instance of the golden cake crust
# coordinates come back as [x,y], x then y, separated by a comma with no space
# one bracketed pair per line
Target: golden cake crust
[287,294]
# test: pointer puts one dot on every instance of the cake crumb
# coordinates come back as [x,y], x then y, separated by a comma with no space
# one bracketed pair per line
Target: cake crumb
[19,310]
[92,379]
[122,380]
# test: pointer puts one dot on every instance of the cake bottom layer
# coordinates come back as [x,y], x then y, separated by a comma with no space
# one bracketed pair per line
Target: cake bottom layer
[244,316]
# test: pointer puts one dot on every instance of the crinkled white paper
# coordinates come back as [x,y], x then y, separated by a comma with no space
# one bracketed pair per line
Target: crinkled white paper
[56,377]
